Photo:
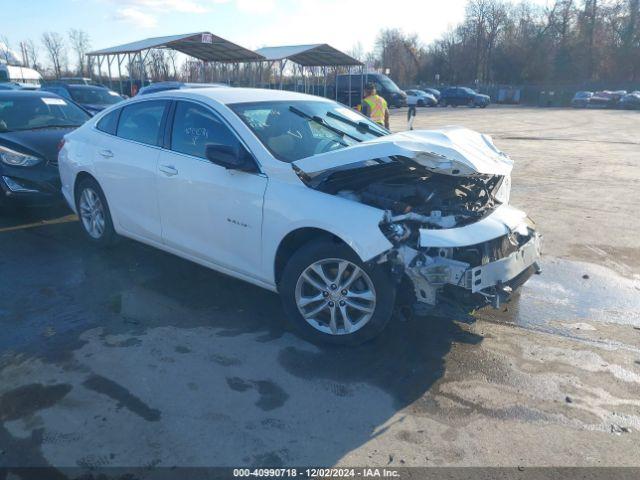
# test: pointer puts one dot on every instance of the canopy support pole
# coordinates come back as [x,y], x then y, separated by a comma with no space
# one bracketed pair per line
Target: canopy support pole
[349,73]
[324,72]
[109,60]
[361,84]
[120,75]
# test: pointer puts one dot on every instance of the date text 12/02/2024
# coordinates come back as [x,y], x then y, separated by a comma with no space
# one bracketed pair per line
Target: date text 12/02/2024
[316,473]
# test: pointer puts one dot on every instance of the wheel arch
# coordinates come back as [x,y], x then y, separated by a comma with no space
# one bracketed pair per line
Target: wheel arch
[294,240]
[81,175]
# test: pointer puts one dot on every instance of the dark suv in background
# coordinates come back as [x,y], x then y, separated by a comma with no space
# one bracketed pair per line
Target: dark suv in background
[385,87]
[455,96]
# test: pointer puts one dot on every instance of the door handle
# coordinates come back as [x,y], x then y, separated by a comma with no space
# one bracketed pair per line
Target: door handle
[168,170]
[106,153]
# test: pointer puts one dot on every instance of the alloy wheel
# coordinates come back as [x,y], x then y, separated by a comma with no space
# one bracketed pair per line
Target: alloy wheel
[92,213]
[335,296]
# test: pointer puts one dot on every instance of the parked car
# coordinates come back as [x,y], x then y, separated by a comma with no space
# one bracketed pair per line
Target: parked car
[32,124]
[433,91]
[306,197]
[163,86]
[421,98]
[90,97]
[76,81]
[581,99]
[455,96]
[630,101]
[10,86]
[350,89]
[606,99]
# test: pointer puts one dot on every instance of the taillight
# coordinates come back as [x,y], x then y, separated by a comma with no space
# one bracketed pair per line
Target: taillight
[60,145]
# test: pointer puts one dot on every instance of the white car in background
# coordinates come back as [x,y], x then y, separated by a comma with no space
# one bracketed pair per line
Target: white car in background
[307,198]
[421,98]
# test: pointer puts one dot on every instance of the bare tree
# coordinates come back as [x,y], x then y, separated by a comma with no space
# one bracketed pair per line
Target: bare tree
[80,44]
[4,51]
[172,56]
[357,51]
[56,49]
[400,54]
[568,41]
[32,53]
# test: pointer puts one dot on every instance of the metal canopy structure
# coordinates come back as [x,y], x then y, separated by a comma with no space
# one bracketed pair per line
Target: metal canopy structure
[309,66]
[316,55]
[312,62]
[204,46]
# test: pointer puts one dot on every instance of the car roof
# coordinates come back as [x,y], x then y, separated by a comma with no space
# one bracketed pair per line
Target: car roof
[80,86]
[86,87]
[238,95]
[6,94]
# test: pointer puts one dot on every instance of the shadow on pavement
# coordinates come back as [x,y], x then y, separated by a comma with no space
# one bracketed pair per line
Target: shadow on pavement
[61,287]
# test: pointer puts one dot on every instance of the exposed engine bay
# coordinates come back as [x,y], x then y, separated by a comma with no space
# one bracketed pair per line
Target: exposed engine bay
[410,194]
[444,196]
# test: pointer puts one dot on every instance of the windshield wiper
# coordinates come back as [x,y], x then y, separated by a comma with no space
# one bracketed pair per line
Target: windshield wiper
[321,122]
[359,125]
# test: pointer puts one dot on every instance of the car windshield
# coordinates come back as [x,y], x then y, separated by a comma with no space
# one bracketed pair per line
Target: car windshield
[29,112]
[94,96]
[388,84]
[300,129]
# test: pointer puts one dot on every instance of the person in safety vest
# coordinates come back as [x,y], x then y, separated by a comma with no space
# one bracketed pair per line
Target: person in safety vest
[375,107]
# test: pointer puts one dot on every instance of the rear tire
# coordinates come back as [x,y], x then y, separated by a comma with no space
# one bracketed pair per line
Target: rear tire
[344,301]
[93,212]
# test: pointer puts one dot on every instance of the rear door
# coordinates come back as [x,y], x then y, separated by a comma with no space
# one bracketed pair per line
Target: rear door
[208,211]
[126,166]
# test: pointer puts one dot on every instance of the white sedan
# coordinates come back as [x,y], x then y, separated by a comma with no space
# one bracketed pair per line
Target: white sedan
[307,198]
[420,98]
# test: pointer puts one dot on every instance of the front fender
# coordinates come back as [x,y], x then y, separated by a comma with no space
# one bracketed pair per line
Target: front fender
[291,207]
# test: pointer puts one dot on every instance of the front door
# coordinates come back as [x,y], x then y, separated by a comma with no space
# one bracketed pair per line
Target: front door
[208,211]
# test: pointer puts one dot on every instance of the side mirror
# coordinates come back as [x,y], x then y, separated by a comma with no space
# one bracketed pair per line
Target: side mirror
[230,157]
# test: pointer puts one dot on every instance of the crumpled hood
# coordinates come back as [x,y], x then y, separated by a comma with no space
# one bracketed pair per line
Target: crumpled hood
[454,151]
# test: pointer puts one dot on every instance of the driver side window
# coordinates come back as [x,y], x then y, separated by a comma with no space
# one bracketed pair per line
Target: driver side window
[194,127]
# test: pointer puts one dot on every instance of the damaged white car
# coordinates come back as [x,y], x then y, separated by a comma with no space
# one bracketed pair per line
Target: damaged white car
[307,198]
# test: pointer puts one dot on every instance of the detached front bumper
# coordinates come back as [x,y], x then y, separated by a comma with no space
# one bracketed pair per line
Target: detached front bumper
[490,278]
[501,271]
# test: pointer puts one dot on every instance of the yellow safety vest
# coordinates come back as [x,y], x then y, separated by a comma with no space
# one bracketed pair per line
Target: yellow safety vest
[377,107]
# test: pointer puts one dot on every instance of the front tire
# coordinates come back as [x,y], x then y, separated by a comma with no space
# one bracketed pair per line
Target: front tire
[93,212]
[331,296]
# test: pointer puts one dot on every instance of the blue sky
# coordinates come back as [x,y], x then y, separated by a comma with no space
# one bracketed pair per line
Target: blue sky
[251,23]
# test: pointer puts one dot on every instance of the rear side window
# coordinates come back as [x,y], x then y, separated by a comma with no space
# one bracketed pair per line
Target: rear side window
[195,126]
[109,123]
[141,122]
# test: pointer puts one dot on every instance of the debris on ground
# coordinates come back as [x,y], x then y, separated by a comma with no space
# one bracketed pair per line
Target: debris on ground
[619,430]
